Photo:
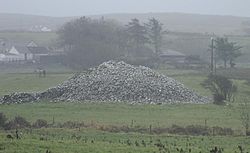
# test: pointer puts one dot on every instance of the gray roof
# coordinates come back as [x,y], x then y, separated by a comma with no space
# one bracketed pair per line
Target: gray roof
[170,53]
[31,50]
[8,54]
[38,50]
[22,49]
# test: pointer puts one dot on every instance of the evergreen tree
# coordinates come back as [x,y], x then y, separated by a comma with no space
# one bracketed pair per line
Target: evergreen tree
[227,51]
[137,33]
[155,33]
[89,42]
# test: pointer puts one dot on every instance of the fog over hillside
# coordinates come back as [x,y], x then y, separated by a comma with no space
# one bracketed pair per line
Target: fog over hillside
[193,23]
[62,8]
[25,22]
[178,22]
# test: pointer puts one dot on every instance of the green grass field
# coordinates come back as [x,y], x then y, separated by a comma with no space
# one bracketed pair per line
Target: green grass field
[123,114]
[59,140]
[29,82]
[108,113]
[91,141]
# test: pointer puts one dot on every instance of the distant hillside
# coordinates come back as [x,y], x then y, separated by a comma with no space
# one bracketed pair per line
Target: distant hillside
[193,23]
[179,22]
[184,36]
[20,22]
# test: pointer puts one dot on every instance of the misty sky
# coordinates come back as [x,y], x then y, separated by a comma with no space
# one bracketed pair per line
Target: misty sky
[92,7]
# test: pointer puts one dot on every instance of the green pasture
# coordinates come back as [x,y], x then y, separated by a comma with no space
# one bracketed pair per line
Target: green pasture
[62,140]
[29,82]
[122,114]
[87,141]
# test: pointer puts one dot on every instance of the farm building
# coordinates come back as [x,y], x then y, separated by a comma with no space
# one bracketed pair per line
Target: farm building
[38,52]
[171,56]
[29,52]
[19,53]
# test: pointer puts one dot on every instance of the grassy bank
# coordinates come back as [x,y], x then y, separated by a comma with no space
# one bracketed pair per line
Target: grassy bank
[66,140]
[87,141]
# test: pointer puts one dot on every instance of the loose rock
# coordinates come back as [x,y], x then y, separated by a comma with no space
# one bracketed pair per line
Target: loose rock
[116,82]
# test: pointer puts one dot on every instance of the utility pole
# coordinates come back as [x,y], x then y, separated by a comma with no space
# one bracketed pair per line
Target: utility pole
[212,56]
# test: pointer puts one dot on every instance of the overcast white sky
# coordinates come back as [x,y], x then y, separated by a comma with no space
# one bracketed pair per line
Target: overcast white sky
[91,7]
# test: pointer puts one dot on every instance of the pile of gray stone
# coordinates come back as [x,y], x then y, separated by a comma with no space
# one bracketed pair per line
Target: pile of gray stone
[18,98]
[116,82]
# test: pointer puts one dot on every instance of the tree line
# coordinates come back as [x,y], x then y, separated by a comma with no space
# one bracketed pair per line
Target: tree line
[226,51]
[89,42]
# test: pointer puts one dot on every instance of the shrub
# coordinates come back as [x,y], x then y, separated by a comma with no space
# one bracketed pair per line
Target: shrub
[221,87]
[247,133]
[245,116]
[72,124]
[197,130]
[40,123]
[17,122]
[3,120]
[175,129]
[248,82]
[218,99]
[160,130]
[200,130]
[222,131]
[22,122]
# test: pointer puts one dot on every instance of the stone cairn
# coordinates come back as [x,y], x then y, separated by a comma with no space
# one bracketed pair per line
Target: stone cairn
[114,82]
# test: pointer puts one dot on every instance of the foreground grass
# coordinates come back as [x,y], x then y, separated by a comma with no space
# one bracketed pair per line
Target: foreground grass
[123,114]
[74,141]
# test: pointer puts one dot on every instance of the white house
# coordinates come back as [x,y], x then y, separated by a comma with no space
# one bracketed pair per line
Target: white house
[29,52]
[40,28]
[46,29]
[8,57]
[38,52]
[2,57]
[20,53]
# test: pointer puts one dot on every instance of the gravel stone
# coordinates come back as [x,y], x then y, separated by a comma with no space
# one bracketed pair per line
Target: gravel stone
[115,82]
